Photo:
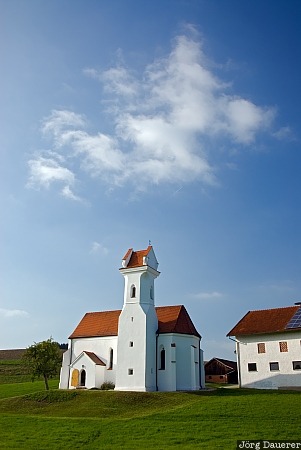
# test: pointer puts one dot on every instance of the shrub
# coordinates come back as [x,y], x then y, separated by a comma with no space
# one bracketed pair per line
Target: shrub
[52,396]
[107,385]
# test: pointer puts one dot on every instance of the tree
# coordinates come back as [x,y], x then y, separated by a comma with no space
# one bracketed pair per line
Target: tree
[43,358]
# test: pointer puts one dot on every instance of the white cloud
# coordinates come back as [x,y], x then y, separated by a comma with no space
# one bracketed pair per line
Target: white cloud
[97,248]
[166,122]
[44,171]
[60,120]
[284,133]
[280,286]
[208,295]
[67,193]
[48,169]
[8,313]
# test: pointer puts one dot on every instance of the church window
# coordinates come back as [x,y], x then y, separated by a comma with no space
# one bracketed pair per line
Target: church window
[162,359]
[131,344]
[151,293]
[83,378]
[133,291]
[131,371]
[132,319]
[110,367]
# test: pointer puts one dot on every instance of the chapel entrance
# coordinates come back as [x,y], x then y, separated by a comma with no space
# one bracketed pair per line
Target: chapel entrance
[83,378]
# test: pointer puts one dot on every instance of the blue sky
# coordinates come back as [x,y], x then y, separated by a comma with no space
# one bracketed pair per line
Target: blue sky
[127,121]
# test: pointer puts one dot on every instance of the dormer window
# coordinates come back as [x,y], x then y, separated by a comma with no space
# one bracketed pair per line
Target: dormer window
[133,291]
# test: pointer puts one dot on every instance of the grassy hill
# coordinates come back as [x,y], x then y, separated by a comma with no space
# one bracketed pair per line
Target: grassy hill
[31,418]
[127,420]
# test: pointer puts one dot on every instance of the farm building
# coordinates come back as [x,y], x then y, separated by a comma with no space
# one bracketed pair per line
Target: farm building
[138,348]
[219,370]
[268,348]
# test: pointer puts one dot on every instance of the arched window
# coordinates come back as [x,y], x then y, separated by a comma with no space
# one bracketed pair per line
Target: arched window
[162,359]
[83,378]
[110,359]
[133,291]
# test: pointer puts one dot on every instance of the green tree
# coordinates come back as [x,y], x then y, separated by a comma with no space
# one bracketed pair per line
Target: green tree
[43,359]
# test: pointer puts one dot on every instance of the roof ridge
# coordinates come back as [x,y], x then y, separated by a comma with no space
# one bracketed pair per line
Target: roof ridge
[278,307]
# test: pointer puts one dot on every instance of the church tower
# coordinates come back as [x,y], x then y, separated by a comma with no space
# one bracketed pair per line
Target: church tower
[138,323]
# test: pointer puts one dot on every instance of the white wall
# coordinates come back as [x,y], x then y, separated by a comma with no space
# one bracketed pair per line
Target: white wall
[64,375]
[101,347]
[138,325]
[264,378]
[182,370]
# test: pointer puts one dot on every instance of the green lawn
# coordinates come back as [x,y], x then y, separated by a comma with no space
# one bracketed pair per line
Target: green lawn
[13,371]
[112,420]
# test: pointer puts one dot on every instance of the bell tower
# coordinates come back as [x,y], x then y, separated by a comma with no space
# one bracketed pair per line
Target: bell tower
[138,323]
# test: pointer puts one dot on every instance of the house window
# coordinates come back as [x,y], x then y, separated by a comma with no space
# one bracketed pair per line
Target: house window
[133,291]
[274,366]
[83,378]
[162,359]
[252,367]
[261,347]
[131,371]
[110,367]
[296,365]
[131,344]
[283,346]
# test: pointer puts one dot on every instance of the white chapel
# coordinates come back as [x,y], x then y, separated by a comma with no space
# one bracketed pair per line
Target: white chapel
[138,348]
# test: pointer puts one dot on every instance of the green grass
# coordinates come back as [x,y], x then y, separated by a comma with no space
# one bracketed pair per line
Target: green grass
[124,420]
[13,371]
[16,389]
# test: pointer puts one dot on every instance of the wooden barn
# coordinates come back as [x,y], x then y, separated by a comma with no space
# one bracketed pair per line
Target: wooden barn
[219,370]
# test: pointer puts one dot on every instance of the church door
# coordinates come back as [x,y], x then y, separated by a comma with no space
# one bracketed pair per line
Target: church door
[83,378]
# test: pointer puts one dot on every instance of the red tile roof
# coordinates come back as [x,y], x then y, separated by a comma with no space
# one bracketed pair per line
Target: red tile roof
[265,321]
[175,319]
[171,319]
[104,323]
[136,259]
[95,358]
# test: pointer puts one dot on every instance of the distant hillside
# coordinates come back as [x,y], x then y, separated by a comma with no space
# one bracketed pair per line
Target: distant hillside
[12,368]
[12,354]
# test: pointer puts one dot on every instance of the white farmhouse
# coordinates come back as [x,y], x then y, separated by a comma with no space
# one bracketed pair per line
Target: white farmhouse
[141,347]
[268,348]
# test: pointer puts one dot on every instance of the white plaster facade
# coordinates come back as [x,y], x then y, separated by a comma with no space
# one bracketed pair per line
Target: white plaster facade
[138,357]
[266,375]
[183,363]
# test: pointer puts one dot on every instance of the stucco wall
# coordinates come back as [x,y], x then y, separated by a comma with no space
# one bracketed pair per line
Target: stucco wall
[101,346]
[263,377]
[182,369]
[137,325]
